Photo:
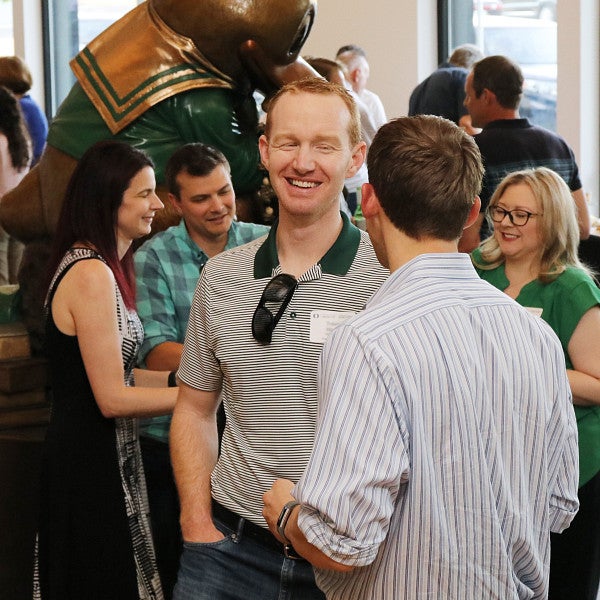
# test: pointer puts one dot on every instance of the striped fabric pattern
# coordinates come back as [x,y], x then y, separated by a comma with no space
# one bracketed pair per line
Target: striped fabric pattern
[269,392]
[446,445]
[565,167]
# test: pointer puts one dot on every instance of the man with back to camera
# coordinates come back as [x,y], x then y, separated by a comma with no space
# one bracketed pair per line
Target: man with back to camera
[167,268]
[259,318]
[446,444]
[493,93]
[357,73]
[443,92]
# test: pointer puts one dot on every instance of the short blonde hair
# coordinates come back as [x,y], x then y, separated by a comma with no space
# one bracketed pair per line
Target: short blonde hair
[316,85]
[559,230]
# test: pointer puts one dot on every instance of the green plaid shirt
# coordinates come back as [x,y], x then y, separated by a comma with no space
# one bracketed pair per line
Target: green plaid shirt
[167,268]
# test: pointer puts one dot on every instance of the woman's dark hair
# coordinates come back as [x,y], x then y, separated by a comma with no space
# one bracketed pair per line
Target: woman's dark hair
[12,125]
[90,207]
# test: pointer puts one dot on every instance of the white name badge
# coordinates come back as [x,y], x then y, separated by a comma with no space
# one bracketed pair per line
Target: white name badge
[323,321]
[534,310]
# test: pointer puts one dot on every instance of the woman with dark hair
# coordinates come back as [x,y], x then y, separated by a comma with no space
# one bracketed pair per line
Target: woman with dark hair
[15,158]
[532,257]
[94,537]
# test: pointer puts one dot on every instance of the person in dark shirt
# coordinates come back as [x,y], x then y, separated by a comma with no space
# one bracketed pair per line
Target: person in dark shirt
[443,92]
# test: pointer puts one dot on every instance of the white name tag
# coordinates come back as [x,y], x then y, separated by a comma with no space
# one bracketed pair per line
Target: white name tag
[534,310]
[323,321]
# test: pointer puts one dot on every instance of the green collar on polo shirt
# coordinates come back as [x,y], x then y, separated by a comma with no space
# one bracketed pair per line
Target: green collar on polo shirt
[337,260]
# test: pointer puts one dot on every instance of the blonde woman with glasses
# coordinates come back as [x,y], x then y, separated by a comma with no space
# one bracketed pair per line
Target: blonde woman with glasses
[532,256]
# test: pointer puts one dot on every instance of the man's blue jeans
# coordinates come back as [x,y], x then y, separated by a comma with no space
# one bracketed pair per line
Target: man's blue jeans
[239,568]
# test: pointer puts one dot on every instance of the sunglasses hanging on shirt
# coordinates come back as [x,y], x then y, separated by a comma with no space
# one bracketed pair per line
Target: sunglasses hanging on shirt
[278,291]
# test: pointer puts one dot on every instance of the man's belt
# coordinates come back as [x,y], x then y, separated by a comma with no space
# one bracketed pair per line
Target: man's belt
[242,527]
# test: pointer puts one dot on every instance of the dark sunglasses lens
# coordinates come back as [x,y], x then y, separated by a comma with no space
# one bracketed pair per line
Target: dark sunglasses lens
[278,288]
[262,325]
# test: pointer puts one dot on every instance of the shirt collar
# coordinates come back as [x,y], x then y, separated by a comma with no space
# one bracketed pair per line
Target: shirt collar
[182,233]
[336,261]
[232,237]
[455,266]
[508,124]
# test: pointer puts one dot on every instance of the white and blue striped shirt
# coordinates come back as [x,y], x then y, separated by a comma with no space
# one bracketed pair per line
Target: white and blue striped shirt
[446,447]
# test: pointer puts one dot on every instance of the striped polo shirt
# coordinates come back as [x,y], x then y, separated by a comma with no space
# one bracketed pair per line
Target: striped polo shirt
[269,392]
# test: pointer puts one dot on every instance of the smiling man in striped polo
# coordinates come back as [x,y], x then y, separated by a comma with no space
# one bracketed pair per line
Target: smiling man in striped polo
[259,318]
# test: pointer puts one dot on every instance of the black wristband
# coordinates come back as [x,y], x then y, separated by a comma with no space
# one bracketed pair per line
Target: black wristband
[172,380]
[284,517]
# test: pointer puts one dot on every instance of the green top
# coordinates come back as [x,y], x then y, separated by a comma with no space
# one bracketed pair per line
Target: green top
[563,303]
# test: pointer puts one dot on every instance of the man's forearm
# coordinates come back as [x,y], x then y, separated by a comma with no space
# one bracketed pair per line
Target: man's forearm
[164,357]
[194,451]
[311,553]
[274,501]
[583,214]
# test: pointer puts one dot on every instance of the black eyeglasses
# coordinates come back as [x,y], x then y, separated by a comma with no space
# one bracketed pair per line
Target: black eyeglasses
[280,289]
[517,217]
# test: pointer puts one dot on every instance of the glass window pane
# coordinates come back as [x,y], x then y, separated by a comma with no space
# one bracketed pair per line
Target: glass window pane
[72,25]
[94,16]
[7,42]
[525,31]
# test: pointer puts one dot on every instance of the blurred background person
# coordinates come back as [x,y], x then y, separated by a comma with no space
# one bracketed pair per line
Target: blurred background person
[15,75]
[94,538]
[336,73]
[532,257]
[15,158]
[443,92]
[357,73]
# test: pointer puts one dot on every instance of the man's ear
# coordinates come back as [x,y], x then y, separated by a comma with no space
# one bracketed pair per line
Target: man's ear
[358,158]
[369,203]
[263,148]
[473,212]
[175,203]
[489,96]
